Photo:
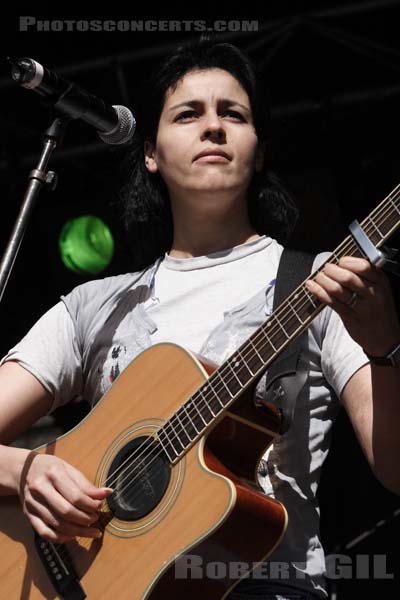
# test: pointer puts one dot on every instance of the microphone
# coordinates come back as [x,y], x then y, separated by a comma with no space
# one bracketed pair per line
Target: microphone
[114,124]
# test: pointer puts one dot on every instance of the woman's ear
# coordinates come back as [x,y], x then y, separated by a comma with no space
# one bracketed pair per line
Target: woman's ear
[149,157]
[260,155]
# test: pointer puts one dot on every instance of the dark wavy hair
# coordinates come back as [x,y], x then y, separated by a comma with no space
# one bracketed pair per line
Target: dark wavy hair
[144,197]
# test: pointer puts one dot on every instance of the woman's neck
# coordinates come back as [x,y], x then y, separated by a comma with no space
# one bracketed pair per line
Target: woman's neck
[189,242]
[207,223]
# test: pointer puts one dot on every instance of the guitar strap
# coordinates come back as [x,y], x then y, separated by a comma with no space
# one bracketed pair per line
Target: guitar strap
[288,373]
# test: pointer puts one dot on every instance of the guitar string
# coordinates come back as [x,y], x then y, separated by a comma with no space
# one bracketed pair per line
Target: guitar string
[143,444]
[345,244]
[272,331]
[182,430]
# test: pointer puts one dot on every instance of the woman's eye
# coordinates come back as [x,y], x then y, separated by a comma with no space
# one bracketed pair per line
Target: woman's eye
[234,114]
[192,114]
[187,114]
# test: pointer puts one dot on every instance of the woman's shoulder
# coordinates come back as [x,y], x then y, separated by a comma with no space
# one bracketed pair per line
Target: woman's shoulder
[110,284]
[92,296]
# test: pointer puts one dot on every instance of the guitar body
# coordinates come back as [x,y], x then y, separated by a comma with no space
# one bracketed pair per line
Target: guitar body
[202,513]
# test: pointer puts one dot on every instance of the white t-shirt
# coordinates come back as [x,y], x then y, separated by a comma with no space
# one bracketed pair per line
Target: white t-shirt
[209,304]
[191,295]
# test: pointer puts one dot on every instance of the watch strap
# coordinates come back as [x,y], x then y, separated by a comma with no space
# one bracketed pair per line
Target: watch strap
[389,360]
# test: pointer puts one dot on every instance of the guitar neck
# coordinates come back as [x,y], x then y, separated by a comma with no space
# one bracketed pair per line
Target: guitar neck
[254,356]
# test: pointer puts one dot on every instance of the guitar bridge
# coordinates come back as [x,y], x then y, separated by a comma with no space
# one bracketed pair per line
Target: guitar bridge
[59,570]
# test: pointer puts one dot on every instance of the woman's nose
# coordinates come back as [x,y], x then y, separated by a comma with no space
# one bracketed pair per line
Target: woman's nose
[213,127]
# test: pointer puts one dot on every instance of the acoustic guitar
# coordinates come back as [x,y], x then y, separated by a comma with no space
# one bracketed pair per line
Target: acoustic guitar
[179,440]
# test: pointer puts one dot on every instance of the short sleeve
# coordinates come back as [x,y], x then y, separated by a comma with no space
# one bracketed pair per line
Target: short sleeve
[50,352]
[341,356]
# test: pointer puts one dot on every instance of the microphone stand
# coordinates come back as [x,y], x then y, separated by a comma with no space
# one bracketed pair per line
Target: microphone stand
[38,178]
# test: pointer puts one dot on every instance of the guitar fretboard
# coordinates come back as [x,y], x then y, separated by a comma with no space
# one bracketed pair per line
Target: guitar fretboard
[254,356]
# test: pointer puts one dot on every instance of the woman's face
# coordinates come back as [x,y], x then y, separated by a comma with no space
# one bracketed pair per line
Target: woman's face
[207,112]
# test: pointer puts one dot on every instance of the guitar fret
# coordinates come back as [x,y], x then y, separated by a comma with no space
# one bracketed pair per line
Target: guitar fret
[245,364]
[309,297]
[183,436]
[199,413]
[183,428]
[267,336]
[177,436]
[335,257]
[295,311]
[236,364]
[355,250]
[272,321]
[389,221]
[376,227]
[207,404]
[233,383]
[190,418]
[394,204]
[281,326]
[210,386]
[390,226]
[163,444]
[226,387]
[257,352]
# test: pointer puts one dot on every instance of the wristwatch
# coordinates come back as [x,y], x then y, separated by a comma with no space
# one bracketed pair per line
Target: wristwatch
[390,360]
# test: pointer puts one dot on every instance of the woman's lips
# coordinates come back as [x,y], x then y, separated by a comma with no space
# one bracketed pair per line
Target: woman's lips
[212,158]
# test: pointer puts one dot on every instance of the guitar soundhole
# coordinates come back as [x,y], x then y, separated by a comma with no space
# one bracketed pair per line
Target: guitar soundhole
[139,476]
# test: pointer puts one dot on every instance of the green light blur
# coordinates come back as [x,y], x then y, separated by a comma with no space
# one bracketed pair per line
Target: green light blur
[86,245]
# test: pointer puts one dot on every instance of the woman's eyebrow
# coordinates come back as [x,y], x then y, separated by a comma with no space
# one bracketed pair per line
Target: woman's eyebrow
[196,103]
[191,103]
[227,102]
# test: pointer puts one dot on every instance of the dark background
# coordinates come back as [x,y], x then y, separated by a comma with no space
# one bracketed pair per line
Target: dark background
[332,70]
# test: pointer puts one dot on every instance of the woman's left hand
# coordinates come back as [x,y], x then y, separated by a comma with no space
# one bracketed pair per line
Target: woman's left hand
[361,294]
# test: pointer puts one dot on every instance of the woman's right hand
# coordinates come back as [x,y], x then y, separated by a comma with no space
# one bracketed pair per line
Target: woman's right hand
[58,500]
